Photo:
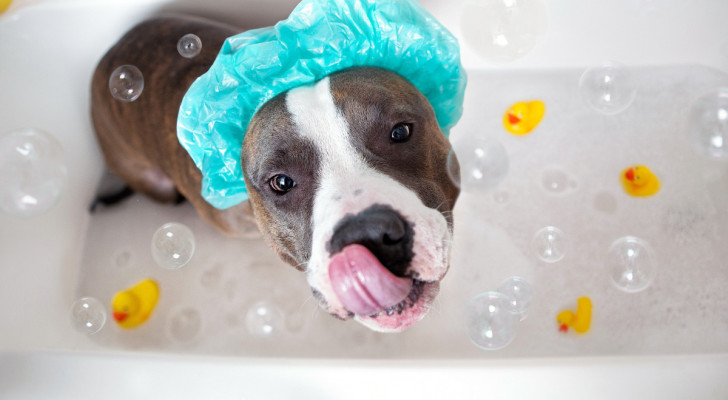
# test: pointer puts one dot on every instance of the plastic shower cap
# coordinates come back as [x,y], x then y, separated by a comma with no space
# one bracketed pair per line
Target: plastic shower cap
[318,38]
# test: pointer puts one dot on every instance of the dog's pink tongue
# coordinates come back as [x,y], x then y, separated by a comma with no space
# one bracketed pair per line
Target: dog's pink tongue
[363,285]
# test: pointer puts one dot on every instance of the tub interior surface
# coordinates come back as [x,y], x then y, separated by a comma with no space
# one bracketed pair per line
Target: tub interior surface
[52,259]
[201,377]
[203,306]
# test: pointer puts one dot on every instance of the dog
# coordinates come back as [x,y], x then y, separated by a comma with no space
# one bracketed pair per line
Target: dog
[347,176]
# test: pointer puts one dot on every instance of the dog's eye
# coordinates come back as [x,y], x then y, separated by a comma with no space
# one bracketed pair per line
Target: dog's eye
[401,132]
[282,183]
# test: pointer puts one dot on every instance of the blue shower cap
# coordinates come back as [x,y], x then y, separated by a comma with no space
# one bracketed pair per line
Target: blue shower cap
[318,38]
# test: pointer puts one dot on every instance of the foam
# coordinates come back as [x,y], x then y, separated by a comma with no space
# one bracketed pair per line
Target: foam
[686,224]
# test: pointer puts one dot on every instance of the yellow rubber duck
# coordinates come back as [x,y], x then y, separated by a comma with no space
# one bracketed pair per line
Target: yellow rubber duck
[639,181]
[580,321]
[522,117]
[4,4]
[132,307]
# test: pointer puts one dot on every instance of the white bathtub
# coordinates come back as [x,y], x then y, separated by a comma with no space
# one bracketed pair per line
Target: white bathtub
[41,356]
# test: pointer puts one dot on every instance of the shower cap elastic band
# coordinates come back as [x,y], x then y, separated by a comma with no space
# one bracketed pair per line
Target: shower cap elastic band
[318,38]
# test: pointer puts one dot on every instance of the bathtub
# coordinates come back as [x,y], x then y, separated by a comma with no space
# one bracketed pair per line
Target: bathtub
[42,356]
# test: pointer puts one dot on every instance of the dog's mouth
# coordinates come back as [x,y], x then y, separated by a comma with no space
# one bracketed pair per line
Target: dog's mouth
[375,295]
[406,313]
[412,298]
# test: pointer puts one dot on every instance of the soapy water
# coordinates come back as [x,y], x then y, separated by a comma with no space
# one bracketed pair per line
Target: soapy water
[479,167]
[264,320]
[631,265]
[503,30]
[88,315]
[501,197]
[519,294]
[189,45]
[173,245]
[605,202]
[184,325]
[123,258]
[709,124]
[555,181]
[211,278]
[126,83]
[549,244]
[490,323]
[32,172]
[608,88]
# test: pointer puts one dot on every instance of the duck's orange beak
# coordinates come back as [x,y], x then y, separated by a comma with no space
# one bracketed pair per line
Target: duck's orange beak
[563,328]
[513,118]
[629,174]
[120,316]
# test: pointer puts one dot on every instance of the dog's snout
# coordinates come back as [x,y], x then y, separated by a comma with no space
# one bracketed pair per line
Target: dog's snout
[383,231]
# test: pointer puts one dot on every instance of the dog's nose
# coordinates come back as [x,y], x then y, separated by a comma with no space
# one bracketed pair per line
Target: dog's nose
[383,231]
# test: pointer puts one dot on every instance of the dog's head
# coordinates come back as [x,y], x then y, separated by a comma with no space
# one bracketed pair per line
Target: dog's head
[348,182]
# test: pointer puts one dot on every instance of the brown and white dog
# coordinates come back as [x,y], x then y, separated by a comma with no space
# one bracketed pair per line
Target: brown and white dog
[347,176]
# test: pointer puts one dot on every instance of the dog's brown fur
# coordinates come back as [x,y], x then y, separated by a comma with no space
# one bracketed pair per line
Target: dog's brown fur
[139,142]
[139,138]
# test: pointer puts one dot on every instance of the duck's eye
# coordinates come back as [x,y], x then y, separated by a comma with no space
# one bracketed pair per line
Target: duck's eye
[401,132]
[281,183]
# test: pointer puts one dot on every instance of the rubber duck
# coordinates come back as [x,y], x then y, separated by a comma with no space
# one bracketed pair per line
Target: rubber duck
[522,117]
[580,321]
[132,307]
[639,181]
[4,5]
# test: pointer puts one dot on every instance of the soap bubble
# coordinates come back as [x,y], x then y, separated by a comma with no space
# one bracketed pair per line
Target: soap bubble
[189,45]
[555,181]
[631,264]
[184,325]
[211,278]
[173,245]
[519,294]
[608,88]
[501,197]
[126,83]
[32,172]
[709,124]
[503,30]
[491,324]
[122,258]
[549,244]
[88,315]
[479,167]
[264,320]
